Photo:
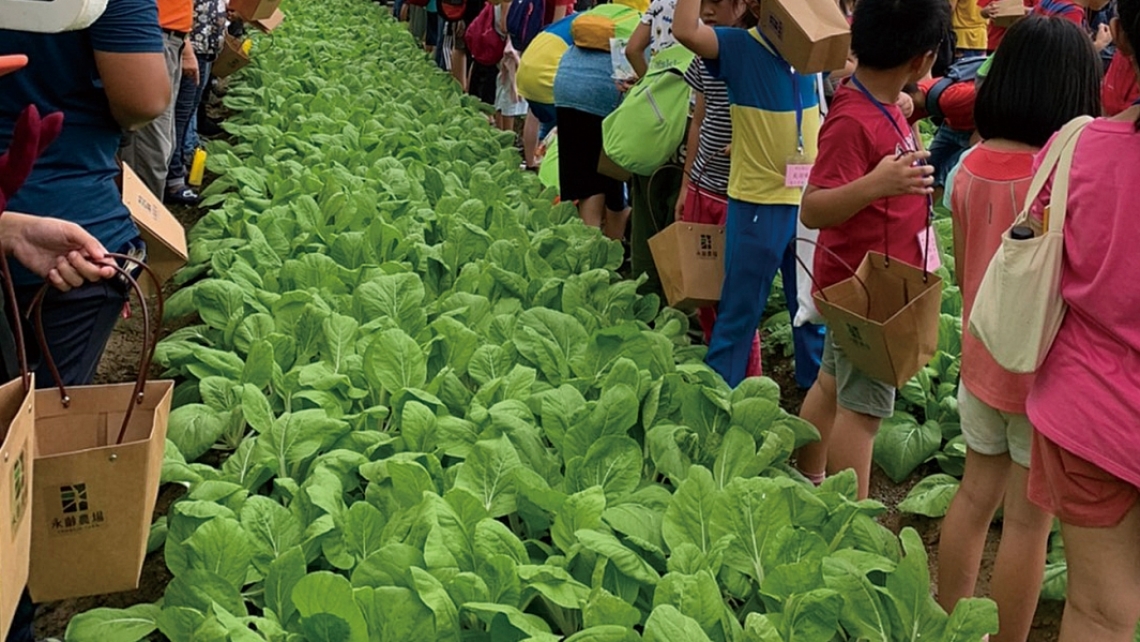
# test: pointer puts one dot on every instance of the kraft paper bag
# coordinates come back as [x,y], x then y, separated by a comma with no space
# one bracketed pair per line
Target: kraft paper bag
[812,35]
[17,460]
[93,499]
[232,58]
[690,262]
[254,10]
[885,317]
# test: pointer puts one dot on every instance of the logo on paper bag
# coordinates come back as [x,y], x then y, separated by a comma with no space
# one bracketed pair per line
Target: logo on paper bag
[706,247]
[77,513]
[19,490]
[856,336]
[776,25]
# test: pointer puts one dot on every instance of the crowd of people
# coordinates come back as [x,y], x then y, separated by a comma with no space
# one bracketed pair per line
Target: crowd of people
[1058,443]
[1061,442]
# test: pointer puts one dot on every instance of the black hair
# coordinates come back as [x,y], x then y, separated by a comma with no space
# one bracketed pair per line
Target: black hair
[1045,73]
[1128,12]
[887,34]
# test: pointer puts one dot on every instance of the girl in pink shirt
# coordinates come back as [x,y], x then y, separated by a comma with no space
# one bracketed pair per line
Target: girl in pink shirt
[1085,402]
[1020,105]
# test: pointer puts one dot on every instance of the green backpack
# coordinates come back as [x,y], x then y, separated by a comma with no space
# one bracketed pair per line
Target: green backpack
[645,131]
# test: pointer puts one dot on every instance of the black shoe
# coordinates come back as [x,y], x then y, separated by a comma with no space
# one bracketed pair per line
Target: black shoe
[183,196]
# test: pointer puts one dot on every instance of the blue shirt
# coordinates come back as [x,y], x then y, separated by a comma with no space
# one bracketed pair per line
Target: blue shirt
[585,82]
[74,179]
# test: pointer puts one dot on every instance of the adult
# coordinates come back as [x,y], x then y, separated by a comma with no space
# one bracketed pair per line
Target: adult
[206,39]
[148,150]
[1085,401]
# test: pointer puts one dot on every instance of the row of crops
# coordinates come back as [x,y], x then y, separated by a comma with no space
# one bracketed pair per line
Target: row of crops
[442,416]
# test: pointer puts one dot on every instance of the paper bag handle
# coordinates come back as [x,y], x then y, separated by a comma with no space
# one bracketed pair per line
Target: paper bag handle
[842,262]
[150,336]
[17,327]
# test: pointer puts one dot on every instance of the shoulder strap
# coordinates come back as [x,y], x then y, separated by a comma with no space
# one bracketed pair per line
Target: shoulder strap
[1062,149]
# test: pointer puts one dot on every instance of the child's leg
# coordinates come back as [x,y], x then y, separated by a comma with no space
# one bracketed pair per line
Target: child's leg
[819,410]
[755,240]
[1020,563]
[964,530]
[808,338]
[530,139]
[861,405]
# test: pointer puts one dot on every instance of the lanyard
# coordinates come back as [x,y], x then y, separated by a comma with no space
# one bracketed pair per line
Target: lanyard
[882,109]
[795,90]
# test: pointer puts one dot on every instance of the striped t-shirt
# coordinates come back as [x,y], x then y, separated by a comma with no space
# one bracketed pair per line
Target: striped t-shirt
[1066,9]
[711,164]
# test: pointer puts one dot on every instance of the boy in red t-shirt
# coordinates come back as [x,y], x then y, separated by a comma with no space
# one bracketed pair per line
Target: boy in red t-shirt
[869,182]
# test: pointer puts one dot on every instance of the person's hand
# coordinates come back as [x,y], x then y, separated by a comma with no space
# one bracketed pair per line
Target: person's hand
[727,151]
[1103,37]
[903,175]
[626,84]
[906,103]
[989,11]
[190,64]
[59,251]
[679,209]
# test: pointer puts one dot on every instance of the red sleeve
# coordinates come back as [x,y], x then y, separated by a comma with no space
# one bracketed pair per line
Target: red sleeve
[985,3]
[957,104]
[845,153]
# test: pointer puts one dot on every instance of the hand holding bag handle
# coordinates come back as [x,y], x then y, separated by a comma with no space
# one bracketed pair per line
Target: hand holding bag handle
[150,336]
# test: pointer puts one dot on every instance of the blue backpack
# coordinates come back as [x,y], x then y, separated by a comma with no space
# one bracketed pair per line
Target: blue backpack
[524,21]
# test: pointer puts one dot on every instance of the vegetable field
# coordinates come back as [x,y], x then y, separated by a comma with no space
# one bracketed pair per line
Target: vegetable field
[444,417]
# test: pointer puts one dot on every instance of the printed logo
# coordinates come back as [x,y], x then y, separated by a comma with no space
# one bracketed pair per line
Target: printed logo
[706,247]
[19,490]
[777,26]
[77,513]
[856,337]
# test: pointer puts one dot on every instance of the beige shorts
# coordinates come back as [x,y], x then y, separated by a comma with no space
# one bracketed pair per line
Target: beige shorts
[989,431]
[855,390]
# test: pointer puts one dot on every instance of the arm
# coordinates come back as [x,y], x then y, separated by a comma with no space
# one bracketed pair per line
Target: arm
[561,11]
[691,145]
[635,49]
[959,250]
[137,86]
[893,176]
[190,62]
[691,32]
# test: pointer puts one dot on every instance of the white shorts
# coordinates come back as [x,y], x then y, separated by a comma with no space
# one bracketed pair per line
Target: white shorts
[503,101]
[989,431]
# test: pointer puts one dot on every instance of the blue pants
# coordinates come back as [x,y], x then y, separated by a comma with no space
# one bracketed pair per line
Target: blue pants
[758,241]
[185,113]
[945,151]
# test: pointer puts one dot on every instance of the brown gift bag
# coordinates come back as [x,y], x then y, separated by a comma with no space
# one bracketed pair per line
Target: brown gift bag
[98,460]
[17,459]
[885,317]
[690,261]
[254,10]
[232,58]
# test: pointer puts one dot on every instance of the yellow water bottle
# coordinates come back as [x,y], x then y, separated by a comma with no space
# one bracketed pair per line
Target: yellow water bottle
[197,168]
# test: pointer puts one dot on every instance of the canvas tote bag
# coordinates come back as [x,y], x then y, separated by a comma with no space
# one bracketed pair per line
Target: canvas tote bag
[97,467]
[885,316]
[1019,307]
[17,459]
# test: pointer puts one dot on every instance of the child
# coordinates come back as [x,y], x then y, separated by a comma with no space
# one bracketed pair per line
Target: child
[869,182]
[775,124]
[704,187]
[1021,104]
[969,28]
[1076,12]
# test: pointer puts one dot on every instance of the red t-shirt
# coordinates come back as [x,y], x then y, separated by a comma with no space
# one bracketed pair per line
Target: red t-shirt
[1066,9]
[552,4]
[956,103]
[855,138]
[1120,88]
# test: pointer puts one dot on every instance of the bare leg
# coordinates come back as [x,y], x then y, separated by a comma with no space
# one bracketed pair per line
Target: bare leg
[963,537]
[593,210]
[1104,581]
[1020,563]
[852,444]
[508,123]
[819,411]
[615,224]
[530,139]
[459,68]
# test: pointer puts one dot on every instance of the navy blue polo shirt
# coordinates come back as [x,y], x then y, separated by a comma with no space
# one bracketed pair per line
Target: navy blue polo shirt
[75,178]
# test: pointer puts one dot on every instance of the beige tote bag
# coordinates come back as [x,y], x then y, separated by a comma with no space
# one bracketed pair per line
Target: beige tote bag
[1019,307]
